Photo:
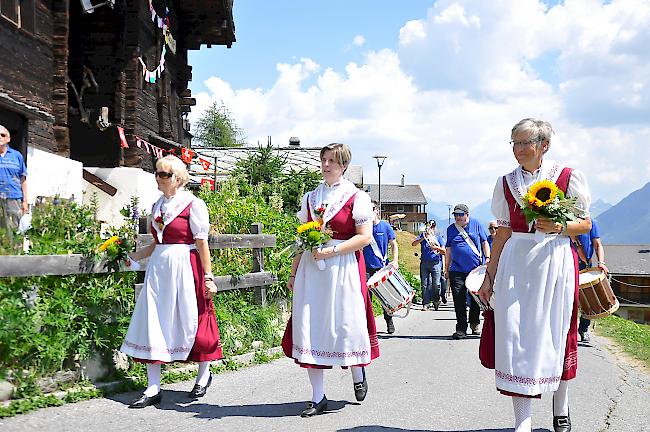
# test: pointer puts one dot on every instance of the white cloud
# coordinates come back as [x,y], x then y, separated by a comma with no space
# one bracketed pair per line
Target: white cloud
[442,105]
[359,40]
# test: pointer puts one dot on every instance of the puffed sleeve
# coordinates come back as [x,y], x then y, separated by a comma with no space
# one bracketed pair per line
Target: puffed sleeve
[362,211]
[500,205]
[578,188]
[303,213]
[199,219]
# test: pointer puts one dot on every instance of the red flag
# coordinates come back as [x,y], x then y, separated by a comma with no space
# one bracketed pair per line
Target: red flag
[205,163]
[208,181]
[123,143]
[186,155]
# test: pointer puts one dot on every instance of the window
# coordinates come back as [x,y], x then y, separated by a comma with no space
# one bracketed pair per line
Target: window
[400,208]
[20,12]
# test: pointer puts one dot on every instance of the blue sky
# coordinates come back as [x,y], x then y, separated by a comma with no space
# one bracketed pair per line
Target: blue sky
[437,85]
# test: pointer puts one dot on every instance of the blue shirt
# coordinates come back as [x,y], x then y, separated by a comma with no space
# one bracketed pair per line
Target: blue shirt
[586,240]
[426,253]
[490,239]
[463,259]
[12,171]
[383,233]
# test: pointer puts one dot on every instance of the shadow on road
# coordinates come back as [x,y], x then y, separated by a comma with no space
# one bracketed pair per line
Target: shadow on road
[375,428]
[422,337]
[178,401]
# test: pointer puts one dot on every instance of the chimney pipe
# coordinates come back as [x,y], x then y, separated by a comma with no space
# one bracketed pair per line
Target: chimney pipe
[294,141]
[402,184]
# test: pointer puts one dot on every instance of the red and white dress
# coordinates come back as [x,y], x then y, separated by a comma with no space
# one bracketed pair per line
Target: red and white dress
[173,320]
[535,289]
[332,322]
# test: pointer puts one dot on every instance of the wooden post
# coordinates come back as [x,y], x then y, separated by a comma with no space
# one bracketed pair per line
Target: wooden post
[258,266]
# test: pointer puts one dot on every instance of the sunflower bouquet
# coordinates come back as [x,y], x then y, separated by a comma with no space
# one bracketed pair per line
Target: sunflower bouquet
[115,250]
[545,199]
[309,236]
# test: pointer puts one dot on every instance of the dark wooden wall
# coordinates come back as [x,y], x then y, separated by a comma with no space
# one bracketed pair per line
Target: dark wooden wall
[26,74]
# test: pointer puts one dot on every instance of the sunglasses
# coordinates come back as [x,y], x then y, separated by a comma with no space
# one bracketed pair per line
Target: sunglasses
[459,214]
[493,228]
[163,174]
[4,135]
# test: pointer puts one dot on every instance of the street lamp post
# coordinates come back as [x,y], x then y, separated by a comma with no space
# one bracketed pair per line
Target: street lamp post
[380,161]
[449,217]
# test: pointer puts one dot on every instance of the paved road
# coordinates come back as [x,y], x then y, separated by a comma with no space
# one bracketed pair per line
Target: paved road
[423,381]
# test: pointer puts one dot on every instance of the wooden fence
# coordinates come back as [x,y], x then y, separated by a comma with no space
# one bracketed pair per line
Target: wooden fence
[60,265]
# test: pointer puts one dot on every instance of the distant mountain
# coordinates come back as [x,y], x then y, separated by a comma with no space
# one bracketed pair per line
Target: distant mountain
[483,213]
[438,211]
[598,207]
[628,221]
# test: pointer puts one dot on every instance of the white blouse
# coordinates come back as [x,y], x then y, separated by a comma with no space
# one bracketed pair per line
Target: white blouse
[578,188]
[199,218]
[362,212]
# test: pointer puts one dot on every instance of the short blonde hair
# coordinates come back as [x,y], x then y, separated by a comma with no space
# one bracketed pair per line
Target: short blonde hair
[342,153]
[176,166]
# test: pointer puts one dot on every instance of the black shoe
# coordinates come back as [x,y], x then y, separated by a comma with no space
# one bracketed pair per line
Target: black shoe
[361,389]
[444,300]
[200,391]
[314,409]
[390,327]
[144,401]
[562,423]
[436,304]
[459,335]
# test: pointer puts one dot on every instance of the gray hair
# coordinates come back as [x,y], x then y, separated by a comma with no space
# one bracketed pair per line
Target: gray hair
[534,128]
[176,166]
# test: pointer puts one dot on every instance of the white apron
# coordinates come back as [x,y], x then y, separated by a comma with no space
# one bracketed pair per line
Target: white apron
[534,295]
[165,319]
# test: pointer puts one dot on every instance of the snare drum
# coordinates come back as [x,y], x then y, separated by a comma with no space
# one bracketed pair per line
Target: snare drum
[596,297]
[391,289]
[473,282]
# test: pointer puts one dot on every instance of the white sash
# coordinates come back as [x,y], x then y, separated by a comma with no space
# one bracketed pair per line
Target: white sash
[336,199]
[468,240]
[375,249]
[548,171]
[173,208]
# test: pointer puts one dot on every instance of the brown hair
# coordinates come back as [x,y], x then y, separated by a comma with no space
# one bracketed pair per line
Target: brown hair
[342,153]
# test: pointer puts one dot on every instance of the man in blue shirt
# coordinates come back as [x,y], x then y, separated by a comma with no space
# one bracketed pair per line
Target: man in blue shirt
[466,249]
[432,255]
[13,184]
[376,254]
[586,245]
[492,231]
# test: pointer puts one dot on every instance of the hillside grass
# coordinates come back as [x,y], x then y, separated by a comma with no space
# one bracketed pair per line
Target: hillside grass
[407,259]
[632,337]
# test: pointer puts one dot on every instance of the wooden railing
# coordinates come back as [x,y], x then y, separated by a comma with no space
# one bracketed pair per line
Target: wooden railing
[60,265]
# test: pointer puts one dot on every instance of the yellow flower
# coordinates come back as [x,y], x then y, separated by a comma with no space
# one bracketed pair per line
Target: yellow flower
[542,193]
[308,226]
[108,242]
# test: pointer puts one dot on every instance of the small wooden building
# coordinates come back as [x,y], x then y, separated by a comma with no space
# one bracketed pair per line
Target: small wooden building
[629,270]
[401,199]
[75,70]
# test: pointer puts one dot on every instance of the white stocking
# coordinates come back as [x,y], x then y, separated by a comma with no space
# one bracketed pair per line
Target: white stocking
[522,408]
[317,380]
[357,373]
[204,373]
[561,399]
[153,380]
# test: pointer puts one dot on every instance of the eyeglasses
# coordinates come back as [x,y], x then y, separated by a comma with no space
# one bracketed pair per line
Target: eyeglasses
[459,214]
[163,174]
[527,143]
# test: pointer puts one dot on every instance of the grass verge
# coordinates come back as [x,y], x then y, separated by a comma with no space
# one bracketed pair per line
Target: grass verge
[632,337]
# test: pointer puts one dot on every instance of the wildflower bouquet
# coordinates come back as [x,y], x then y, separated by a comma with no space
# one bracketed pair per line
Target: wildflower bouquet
[545,199]
[116,249]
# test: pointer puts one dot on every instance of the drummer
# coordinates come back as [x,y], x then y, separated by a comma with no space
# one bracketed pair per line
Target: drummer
[587,245]
[376,254]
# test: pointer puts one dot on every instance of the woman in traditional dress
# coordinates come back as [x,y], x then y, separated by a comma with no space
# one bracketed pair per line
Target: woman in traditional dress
[534,281]
[174,316]
[332,323]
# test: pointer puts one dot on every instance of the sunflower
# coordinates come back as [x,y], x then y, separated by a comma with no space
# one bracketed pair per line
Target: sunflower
[108,243]
[308,226]
[542,193]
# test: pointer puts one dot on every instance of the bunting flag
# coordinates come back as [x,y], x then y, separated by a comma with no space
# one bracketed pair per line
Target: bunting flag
[151,76]
[208,181]
[123,143]
[205,163]
[186,155]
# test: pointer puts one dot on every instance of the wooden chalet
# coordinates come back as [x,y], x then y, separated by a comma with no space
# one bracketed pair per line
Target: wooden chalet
[75,70]
[403,200]
[629,271]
